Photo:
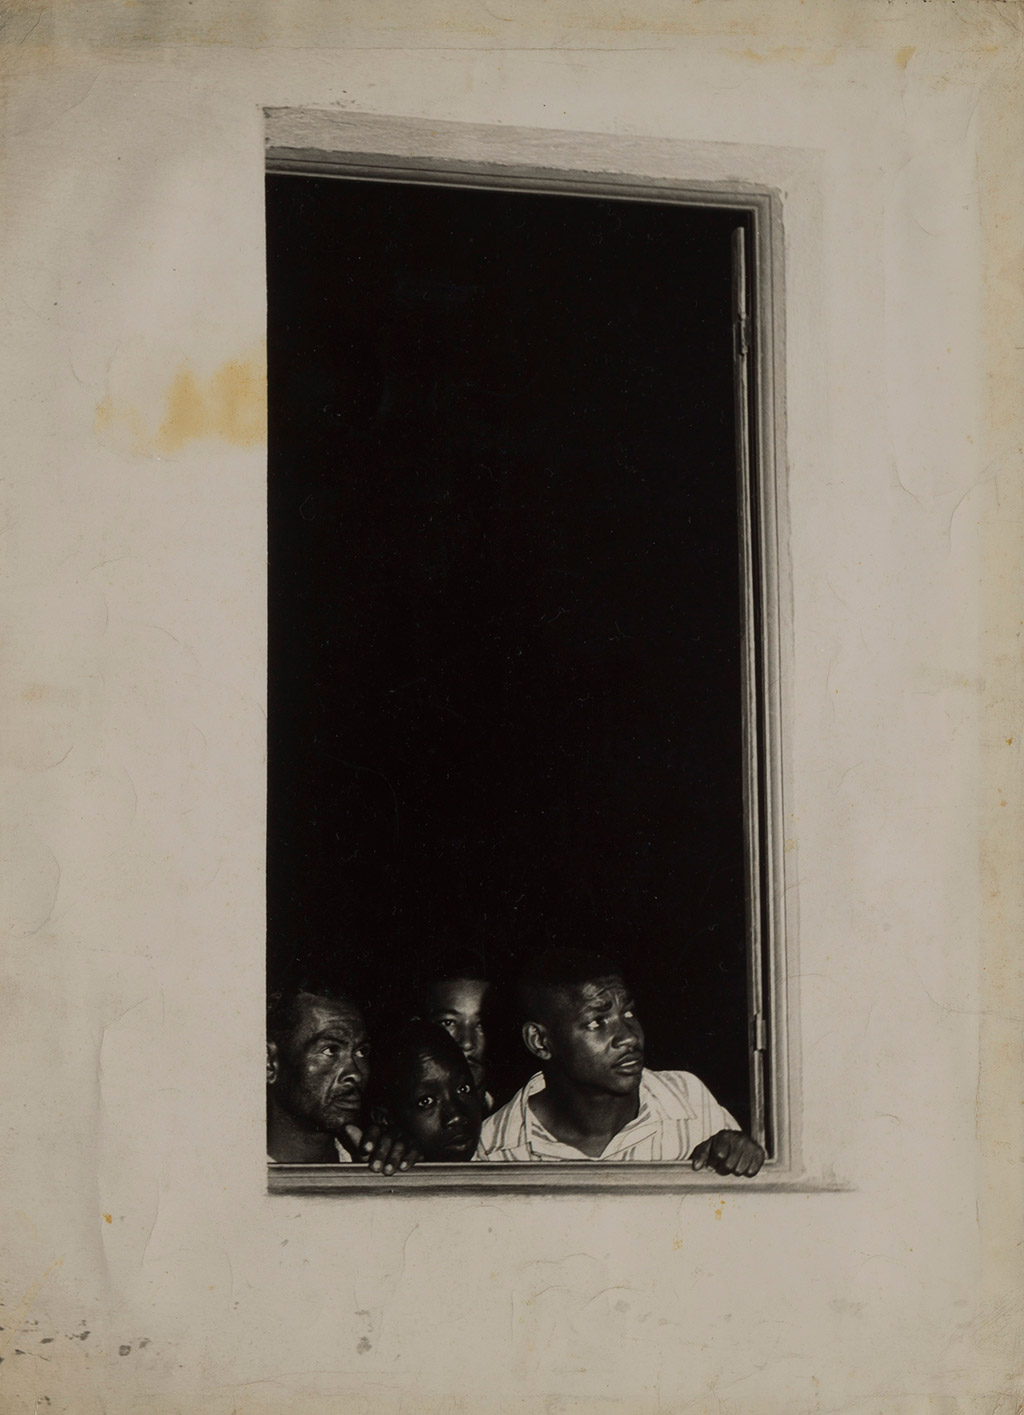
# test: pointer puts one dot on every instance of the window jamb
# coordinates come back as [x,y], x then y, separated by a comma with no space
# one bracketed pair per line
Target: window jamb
[367,147]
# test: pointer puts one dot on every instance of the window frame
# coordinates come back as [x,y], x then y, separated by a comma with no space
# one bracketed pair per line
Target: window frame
[307,142]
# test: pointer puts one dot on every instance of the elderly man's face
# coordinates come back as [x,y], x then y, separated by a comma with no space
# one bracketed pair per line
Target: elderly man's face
[318,1073]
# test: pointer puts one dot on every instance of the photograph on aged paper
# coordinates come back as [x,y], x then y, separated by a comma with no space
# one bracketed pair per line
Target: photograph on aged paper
[644,551]
[518,817]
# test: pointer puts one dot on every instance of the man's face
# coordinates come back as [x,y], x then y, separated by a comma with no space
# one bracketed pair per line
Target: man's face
[593,1036]
[457,1005]
[440,1107]
[318,1074]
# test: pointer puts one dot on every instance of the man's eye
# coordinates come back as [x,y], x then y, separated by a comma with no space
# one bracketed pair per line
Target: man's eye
[424,1102]
[448,1023]
[465,1089]
[363,1050]
[329,1050]
[629,1012]
[594,1023]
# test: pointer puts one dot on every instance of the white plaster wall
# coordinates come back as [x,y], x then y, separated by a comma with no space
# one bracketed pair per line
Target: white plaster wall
[133,729]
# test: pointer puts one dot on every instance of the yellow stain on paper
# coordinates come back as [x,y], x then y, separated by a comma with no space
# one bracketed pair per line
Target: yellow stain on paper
[229,405]
[791,54]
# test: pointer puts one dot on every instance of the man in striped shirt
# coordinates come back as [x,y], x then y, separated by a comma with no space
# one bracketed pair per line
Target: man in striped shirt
[592,1098]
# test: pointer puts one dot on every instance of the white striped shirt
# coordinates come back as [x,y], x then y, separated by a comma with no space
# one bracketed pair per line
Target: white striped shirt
[677,1112]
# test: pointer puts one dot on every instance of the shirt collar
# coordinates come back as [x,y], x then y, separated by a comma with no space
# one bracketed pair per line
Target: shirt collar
[543,1145]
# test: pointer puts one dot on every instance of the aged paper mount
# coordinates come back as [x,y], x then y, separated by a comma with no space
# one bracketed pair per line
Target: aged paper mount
[146,1268]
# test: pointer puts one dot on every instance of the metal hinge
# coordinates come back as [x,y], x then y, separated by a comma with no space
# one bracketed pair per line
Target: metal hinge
[742,335]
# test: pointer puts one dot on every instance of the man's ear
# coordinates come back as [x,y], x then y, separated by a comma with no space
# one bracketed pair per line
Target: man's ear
[536,1040]
[272,1063]
[380,1115]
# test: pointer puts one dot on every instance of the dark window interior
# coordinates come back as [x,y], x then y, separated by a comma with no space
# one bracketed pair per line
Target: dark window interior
[504,597]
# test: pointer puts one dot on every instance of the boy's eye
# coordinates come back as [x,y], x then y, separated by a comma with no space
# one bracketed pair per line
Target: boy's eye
[629,1012]
[465,1089]
[424,1102]
[448,1023]
[594,1023]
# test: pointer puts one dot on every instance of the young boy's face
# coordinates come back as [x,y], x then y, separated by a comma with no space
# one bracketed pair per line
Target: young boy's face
[456,1004]
[440,1107]
[593,1037]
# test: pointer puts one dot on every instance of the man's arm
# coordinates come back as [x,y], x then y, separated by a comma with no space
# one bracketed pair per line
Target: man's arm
[726,1148]
[729,1152]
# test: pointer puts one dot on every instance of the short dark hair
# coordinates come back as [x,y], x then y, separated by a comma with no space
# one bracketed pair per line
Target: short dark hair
[283,1003]
[454,963]
[442,967]
[393,1057]
[559,970]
